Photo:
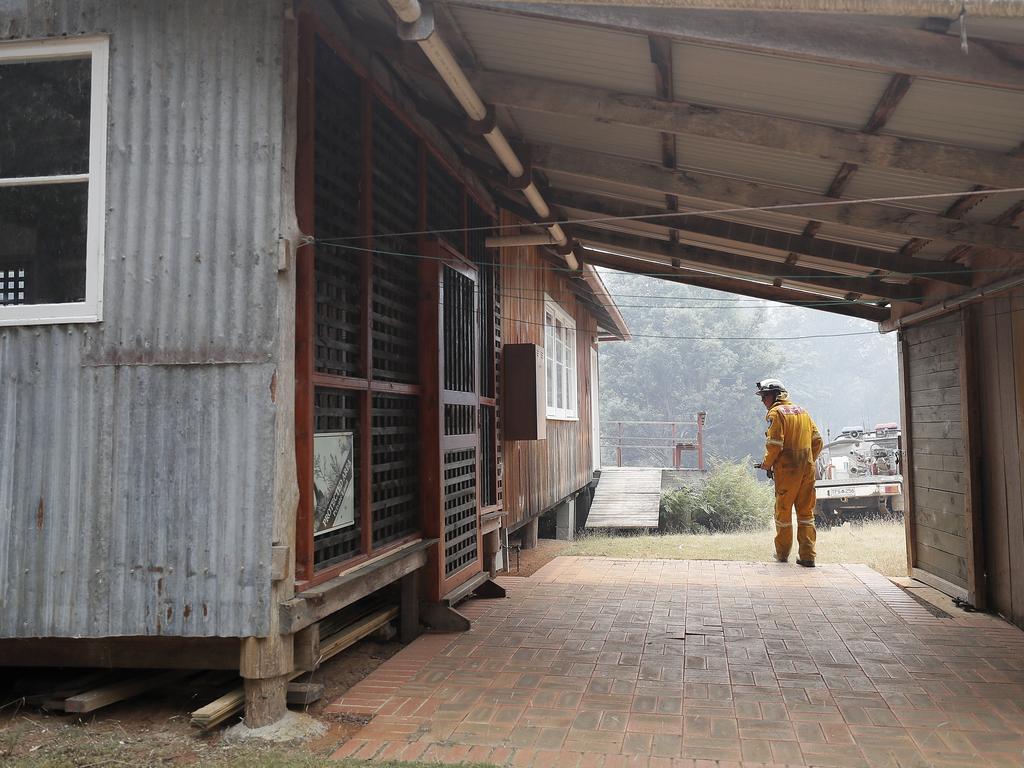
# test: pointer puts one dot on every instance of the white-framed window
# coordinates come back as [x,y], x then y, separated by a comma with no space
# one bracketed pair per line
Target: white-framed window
[53,140]
[560,355]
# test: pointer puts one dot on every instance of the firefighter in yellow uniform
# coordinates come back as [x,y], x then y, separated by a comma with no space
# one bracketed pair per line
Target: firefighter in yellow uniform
[791,449]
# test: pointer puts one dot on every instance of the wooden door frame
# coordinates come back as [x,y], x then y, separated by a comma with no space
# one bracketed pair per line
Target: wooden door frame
[436,256]
[970,416]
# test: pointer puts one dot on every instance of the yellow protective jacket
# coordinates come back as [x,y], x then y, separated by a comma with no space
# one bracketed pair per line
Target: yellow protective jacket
[793,441]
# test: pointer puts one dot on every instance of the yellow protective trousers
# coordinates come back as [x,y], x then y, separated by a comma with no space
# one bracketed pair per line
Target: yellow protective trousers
[795,487]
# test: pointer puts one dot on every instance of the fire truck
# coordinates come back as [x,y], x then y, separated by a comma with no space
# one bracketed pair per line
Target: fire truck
[859,475]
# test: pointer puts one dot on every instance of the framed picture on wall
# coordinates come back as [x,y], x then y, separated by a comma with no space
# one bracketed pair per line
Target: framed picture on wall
[333,481]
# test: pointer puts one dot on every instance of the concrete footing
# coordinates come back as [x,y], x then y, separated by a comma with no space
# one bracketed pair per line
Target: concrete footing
[294,726]
[565,520]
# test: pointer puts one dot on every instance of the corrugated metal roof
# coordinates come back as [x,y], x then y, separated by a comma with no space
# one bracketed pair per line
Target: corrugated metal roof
[619,140]
[775,85]
[745,161]
[605,187]
[992,207]
[138,475]
[631,227]
[870,182]
[969,115]
[854,236]
[1003,30]
[655,231]
[568,52]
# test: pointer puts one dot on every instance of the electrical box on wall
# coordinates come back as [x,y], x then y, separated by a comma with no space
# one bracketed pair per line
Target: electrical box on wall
[525,414]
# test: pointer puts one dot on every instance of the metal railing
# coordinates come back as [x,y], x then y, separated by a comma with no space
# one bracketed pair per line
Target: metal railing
[677,438]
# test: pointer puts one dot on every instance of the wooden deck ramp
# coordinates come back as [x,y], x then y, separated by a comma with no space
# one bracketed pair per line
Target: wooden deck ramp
[626,497]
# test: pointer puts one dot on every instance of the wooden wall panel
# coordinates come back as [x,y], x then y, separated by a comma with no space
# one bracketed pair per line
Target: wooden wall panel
[1000,342]
[937,480]
[540,473]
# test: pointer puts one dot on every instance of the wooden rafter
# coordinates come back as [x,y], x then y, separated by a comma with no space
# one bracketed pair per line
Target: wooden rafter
[816,37]
[729,235]
[813,140]
[891,98]
[735,193]
[737,265]
[756,290]
[898,87]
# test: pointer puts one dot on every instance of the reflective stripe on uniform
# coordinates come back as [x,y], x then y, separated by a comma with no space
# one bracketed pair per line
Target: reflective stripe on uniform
[805,522]
[783,525]
[776,442]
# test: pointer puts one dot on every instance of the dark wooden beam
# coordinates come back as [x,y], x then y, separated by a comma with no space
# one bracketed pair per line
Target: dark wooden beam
[891,98]
[728,285]
[735,193]
[835,190]
[1012,217]
[745,266]
[661,58]
[731,235]
[819,141]
[821,37]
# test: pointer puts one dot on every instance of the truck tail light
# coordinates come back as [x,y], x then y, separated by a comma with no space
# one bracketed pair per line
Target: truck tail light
[891,489]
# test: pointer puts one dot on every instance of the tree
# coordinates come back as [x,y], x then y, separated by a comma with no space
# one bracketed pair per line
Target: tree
[695,349]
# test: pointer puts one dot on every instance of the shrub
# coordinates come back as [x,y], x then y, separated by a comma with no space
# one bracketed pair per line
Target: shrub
[729,499]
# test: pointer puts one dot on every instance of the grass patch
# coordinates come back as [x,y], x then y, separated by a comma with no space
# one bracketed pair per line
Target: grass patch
[879,544]
[30,740]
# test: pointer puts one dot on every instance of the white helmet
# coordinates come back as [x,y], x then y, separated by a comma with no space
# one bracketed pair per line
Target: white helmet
[772,387]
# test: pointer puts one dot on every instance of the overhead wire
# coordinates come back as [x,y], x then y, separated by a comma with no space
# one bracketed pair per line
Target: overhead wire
[697,270]
[483,314]
[712,212]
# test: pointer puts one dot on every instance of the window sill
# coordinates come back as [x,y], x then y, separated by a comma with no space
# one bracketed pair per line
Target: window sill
[562,418]
[8,319]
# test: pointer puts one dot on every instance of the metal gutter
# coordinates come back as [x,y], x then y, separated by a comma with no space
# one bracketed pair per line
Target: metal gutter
[596,284]
[416,24]
[948,305]
[926,8]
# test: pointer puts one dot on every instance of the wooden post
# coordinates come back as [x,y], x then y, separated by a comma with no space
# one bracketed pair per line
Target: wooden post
[492,544]
[902,348]
[266,665]
[409,616]
[530,533]
[700,440]
[970,416]
[307,648]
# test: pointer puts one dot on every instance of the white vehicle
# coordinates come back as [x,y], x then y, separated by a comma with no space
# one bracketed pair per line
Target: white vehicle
[859,475]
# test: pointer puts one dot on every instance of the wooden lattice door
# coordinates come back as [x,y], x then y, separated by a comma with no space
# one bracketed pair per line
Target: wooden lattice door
[451,414]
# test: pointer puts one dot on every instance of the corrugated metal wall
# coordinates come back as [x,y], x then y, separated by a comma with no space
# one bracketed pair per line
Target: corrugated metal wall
[137,471]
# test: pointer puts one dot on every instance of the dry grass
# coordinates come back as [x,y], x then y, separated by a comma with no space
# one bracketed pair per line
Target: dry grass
[880,544]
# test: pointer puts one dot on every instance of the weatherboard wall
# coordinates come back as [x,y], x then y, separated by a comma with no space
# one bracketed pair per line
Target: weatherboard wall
[540,473]
[999,337]
[935,440]
[140,454]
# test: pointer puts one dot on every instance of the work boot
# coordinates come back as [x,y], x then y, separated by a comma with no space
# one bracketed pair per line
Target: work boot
[805,563]
[781,558]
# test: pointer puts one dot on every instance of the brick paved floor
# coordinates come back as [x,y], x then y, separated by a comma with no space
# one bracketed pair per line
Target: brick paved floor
[687,664]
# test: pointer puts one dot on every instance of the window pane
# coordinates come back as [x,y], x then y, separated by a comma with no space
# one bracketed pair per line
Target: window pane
[560,394]
[551,381]
[44,123]
[42,237]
